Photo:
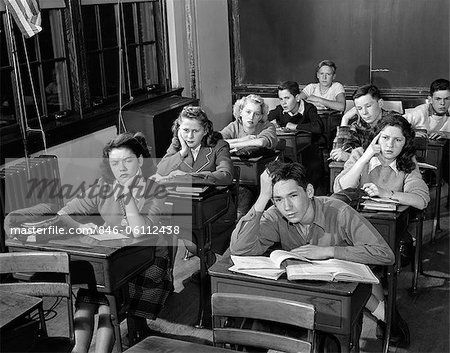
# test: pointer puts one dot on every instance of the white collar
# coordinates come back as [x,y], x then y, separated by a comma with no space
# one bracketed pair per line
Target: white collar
[375,162]
[195,151]
[301,108]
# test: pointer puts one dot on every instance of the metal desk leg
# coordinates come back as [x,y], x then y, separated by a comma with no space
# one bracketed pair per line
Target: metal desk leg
[201,250]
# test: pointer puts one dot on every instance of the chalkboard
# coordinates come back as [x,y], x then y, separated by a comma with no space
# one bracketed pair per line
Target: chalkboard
[277,40]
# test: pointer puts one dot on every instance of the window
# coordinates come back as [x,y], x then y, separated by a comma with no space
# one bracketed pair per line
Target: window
[47,55]
[138,23]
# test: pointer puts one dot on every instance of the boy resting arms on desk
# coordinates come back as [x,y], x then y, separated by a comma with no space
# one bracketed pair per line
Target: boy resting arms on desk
[314,227]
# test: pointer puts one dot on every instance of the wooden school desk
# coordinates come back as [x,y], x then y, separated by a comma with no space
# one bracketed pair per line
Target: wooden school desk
[115,262]
[251,168]
[196,214]
[339,305]
[389,224]
[330,120]
[14,306]
[296,142]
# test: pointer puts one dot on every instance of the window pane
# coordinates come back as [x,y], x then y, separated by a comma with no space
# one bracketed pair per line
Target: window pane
[45,38]
[108,25]
[129,23]
[57,93]
[94,74]
[89,27]
[111,61]
[7,113]
[150,62]
[133,66]
[147,17]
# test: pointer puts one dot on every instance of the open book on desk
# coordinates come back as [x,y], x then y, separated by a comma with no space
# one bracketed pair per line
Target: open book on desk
[304,269]
[379,204]
[263,266]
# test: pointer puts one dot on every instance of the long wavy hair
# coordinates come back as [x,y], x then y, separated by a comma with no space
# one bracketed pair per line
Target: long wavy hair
[137,144]
[196,113]
[405,161]
[254,98]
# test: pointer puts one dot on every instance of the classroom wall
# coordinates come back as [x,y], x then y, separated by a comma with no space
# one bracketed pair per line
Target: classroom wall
[212,73]
[79,159]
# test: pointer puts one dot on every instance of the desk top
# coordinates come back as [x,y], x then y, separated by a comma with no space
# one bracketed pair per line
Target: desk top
[84,245]
[220,269]
[15,305]
[288,132]
[401,210]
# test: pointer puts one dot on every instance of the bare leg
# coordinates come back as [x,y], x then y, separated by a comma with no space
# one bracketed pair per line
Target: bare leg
[105,333]
[84,327]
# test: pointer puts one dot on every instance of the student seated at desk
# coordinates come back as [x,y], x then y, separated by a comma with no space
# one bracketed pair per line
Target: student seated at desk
[198,150]
[387,167]
[326,94]
[434,117]
[296,114]
[250,129]
[361,120]
[120,197]
[315,227]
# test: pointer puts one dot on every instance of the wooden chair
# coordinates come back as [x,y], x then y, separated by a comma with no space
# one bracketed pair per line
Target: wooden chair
[226,305]
[279,311]
[60,286]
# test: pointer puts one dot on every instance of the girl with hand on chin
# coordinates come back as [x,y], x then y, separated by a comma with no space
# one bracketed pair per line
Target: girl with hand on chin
[387,168]
[126,201]
[196,150]
[251,128]
[325,94]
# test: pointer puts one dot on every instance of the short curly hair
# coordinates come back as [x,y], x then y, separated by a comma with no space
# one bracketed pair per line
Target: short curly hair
[405,161]
[254,98]
[135,142]
[196,113]
[328,63]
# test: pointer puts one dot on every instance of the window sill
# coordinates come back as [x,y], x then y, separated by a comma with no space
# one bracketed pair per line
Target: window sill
[70,127]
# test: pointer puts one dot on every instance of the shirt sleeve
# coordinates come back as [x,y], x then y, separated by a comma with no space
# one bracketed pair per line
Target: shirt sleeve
[416,118]
[86,203]
[269,133]
[229,131]
[315,124]
[254,233]
[365,243]
[309,89]
[414,184]
[354,156]
[338,89]
[273,114]
[171,160]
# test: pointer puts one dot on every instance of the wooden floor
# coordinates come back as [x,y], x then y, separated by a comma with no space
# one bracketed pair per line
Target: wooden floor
[427,313]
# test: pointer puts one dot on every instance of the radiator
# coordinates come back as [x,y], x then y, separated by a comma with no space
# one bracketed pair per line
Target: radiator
[24,186]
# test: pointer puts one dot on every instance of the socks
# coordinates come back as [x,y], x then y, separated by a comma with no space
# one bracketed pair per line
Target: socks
[379,311]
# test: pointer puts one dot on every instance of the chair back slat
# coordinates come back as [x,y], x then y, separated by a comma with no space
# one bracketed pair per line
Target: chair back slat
[40,289]
[264,308]
[261,339]
[34,262]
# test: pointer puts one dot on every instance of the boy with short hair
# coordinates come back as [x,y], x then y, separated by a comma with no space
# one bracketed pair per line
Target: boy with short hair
[433,116]
[314,227]
[296,114]
[361,119]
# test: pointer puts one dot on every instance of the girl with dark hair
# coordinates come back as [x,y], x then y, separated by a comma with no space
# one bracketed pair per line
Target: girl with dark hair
[196,150]
[387,168]
[127,202]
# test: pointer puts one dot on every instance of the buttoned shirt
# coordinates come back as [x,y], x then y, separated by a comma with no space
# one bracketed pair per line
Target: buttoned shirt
[335,224]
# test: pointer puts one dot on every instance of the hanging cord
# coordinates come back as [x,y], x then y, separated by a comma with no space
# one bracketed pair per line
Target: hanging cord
[121,26]
[23,124]
[33,91]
